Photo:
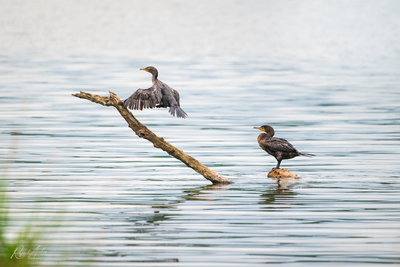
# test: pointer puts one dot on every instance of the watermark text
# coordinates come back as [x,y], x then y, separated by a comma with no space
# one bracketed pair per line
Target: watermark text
[21,253]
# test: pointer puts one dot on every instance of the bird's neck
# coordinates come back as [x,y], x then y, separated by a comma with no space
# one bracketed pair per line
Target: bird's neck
[265,136]
[154,78]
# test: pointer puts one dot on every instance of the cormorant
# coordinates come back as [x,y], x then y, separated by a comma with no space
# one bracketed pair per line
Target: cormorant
[160,95]
[279,148]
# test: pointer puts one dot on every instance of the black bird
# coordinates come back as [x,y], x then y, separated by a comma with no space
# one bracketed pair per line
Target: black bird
[279,148]
[160,95]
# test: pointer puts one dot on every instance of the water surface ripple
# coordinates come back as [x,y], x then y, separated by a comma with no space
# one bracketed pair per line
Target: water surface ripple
[126,202]
[118,201]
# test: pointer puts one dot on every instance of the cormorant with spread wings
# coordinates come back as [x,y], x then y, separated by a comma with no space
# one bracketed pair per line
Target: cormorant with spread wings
[279,148]
[160,95]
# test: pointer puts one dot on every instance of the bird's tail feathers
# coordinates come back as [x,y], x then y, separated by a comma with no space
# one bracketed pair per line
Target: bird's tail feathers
[177,111]
[307,155]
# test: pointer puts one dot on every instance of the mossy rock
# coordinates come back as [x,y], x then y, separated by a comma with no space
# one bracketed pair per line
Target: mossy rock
[281,173]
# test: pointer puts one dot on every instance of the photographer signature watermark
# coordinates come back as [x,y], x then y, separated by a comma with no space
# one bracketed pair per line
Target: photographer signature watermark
[21,253]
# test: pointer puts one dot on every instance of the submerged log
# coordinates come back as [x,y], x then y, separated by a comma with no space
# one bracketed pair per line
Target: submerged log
[281,173]
[158,142]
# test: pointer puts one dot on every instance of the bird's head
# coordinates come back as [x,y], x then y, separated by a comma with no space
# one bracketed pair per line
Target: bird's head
[152,70]
[267,129]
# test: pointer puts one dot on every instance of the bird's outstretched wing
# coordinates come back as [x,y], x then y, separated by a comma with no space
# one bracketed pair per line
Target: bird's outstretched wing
[143,98]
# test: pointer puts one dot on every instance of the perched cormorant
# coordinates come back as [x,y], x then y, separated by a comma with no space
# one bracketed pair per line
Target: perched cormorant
[159,95]
[277,147]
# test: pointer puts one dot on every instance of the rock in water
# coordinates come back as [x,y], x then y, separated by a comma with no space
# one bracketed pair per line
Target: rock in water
[281,173]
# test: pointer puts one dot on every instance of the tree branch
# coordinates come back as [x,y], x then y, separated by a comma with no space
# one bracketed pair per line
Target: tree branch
[158,142]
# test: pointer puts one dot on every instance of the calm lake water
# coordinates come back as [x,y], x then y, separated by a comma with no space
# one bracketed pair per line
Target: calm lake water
[331,89]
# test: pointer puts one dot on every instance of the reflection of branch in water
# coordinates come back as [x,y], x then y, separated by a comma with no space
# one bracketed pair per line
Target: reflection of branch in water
[193,194]
[150,220]
[147,221]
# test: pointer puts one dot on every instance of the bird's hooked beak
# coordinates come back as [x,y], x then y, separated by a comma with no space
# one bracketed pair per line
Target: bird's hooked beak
[259,128]
[145,69]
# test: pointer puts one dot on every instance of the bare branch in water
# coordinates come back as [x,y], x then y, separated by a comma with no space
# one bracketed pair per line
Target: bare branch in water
[158,142]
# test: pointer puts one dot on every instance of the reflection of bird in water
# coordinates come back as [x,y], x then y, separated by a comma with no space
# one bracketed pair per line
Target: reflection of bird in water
[159,95]
[277,147]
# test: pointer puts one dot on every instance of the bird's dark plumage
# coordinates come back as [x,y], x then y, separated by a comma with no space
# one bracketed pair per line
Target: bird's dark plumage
[160,95]
[279,148]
